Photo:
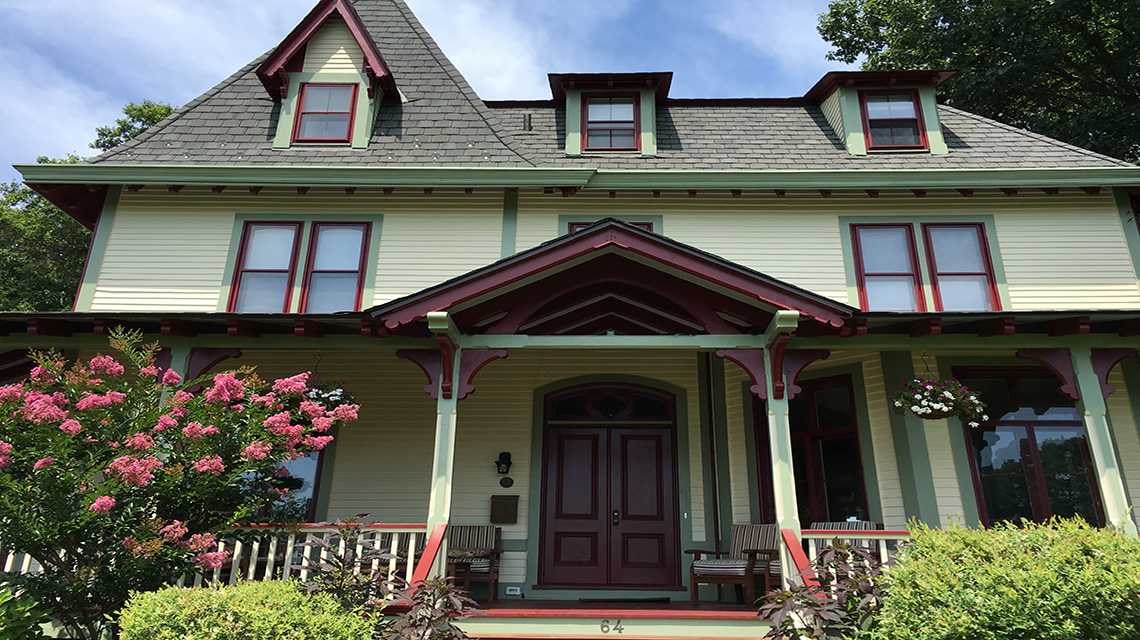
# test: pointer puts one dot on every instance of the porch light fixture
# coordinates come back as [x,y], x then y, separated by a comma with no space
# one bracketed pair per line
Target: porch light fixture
[503,464]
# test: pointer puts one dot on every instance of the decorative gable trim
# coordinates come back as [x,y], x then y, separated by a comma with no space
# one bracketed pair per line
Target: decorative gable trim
[274,72]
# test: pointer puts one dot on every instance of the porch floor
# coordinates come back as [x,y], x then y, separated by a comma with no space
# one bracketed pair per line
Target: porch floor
[676,609]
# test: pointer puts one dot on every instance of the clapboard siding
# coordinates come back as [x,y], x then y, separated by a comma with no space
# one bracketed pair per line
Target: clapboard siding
[831,111]
[882,439]
[738,411]
[1127,438]
[947,490]
[332,48]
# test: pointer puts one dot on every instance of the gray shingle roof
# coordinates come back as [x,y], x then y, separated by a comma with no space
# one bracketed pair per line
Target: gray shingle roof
[441,122]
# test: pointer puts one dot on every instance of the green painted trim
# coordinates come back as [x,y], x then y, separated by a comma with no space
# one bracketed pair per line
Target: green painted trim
[1128,226]
[702,342]
[510,223]
[911,450]
[684,484]
[551,627]
[325,482]
[365,113]
[564,220]
[752,464]
[852,121]
[928,102]
[369,289]
[286,115]
[916,223]
[952,342]
[573,123]
[721,492]
[648,122]
[98,249]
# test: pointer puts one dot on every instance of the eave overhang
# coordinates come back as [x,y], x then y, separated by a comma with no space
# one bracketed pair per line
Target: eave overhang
[857,79]
[658,81]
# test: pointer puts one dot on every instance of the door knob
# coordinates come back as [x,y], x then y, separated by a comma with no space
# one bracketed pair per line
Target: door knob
[616,519]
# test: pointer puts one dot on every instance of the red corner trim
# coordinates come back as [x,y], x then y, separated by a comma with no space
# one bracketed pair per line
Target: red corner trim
[1060,363]
[1103,360]
[423,568]
[470,362]
[792,541]
[752,361]
[428,361]
[779,345]
[274,74]
[795,360]
[447,359]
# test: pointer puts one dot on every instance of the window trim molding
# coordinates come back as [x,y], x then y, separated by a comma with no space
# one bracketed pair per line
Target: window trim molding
[300,113]
[585,128]
[239,261]
[361,122]
[311,253]
[987,261]
[915,263]
[646,115]
[920,123]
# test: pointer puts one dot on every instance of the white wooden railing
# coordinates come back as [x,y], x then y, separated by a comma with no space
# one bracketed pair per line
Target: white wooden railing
[885,543]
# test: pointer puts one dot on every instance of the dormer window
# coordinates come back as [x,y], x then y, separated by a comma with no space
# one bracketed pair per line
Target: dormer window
[610,123]
[325,113]
[892,121]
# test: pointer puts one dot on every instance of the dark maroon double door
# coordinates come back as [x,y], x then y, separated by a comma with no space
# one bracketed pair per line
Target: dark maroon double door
[609,508]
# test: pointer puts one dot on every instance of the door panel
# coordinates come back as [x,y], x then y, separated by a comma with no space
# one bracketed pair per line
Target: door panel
[644,474]
[575,540]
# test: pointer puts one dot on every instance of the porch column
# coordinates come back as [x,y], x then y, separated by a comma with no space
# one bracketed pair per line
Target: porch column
[1101,448]
[780,434]
[443,457]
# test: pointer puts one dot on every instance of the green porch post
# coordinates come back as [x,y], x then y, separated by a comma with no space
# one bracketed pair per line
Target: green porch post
[446,411]
[1101,447]
[780,437]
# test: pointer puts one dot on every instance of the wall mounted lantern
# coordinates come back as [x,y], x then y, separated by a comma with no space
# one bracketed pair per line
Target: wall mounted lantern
[503,464]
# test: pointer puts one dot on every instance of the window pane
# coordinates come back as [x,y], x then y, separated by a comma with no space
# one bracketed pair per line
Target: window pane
[957,249]
[833,408]
[269,246]
[1066,472]
[887,133]
[319,98]
[890,106]
[610,139]
[621,109]
[964,293]
[331,292]
[885,250]
[995,393]
[323,126]
[799,468]
[301,481]
[844,499]
[598,111]
[621,138]
[1001,456]
[609,109]
[338,248]
[261,293]
[890,293]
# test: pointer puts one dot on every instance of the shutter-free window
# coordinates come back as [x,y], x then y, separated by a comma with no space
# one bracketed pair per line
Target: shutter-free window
[887,268]
[893,121]
[611,123]
[266,264]
[335,273]
[325,113]
[960,268]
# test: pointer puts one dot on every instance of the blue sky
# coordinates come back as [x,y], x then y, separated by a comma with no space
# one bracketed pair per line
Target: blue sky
[70,65]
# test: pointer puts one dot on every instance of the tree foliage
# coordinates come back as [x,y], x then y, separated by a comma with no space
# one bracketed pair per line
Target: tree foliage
[116,476]
[1062,68]
[140,117]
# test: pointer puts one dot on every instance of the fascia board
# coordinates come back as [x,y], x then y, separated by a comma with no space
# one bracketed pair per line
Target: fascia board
[293,175]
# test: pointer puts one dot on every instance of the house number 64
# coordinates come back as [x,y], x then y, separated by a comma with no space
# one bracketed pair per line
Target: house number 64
[606,628]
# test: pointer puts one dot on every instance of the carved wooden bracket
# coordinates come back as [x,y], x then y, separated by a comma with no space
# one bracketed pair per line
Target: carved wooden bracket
[752,361]
[795,361]
[777,350]
[1060,363]
[470,362]
[1103,360]
[428,361]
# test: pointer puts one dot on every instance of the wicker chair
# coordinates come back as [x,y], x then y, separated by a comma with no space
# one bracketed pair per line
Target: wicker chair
[753,555]
[473,555]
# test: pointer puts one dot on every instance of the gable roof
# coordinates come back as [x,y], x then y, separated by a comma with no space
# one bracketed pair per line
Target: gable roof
[611,276]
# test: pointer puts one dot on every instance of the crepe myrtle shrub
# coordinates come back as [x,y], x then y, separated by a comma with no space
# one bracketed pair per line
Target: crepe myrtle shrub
[1061,580]
[117,475]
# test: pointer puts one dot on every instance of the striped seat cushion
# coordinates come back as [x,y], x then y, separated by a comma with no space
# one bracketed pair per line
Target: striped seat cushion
[730,567]
[474,564]
[471,537]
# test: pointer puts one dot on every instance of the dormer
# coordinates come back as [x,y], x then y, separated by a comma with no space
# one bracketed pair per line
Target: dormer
[611,113]
[875,112]
[329,79]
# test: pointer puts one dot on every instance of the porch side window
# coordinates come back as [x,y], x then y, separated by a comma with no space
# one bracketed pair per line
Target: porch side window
[299,503]
[960,268]
[1031,460]
[886,268]
[610,123]
[267,261]
[334,277]
[325,113]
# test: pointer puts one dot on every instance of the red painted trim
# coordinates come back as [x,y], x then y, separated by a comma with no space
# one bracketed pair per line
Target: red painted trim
[987,262]
[586,97]
[632,614]
[304,525]
[427,558]
[572,227]
[860,273]
[306,282]
[428,360]
[752,361]
[240,261]
[301,113]
[796,550]
[1103,360]
[919,122]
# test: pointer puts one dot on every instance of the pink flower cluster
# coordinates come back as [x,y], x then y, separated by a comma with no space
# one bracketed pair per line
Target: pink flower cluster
[174,531]
[312,409]
[256,451]
[106,364]
[347,412]
[212,560]
[102,505]
[43,463]
[11,392]
[266,400]
[196,432]
[71,427]
[210,464]
[94,401]
[149,371]
[181,397]
[136,471]
[41,407]
[200,542]
[164,423]
[318,442]
[297,384]
[140,441]
[227,388]
[42,375]
[171,378]
[5,450]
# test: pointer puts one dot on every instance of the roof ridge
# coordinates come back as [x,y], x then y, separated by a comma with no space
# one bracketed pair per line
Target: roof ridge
[461,83]
[1037,136]
[180,112]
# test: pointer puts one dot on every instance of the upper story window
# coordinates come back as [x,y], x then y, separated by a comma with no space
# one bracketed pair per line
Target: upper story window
[889,276]
[267,265]
[610,123]
[325,113]
[892,121]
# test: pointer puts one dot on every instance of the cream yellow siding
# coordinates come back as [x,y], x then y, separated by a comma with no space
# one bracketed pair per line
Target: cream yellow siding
[947,491]
[831,111]
[332,48]
[737,404]
[1124,431]
[883,443]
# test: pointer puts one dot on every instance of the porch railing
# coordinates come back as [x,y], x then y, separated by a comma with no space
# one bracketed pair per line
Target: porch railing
[883,542]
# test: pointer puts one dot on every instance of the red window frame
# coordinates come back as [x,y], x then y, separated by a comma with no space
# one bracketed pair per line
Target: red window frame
[572,227]
[860,273]
[310,258]
[984,247]
[301,112]
[924,143]
[635,125]
[239,264]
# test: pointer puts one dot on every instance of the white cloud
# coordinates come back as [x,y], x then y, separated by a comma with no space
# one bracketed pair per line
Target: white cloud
[784,32]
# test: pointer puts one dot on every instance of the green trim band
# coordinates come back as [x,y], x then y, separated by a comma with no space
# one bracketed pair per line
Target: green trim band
[95,252]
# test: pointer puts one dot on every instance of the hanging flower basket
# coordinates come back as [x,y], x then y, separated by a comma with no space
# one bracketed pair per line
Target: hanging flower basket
[938,399]
[329,394]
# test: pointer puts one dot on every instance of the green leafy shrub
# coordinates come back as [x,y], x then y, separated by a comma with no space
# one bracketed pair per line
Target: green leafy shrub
[20,617]
[246,611]
[1064,580]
